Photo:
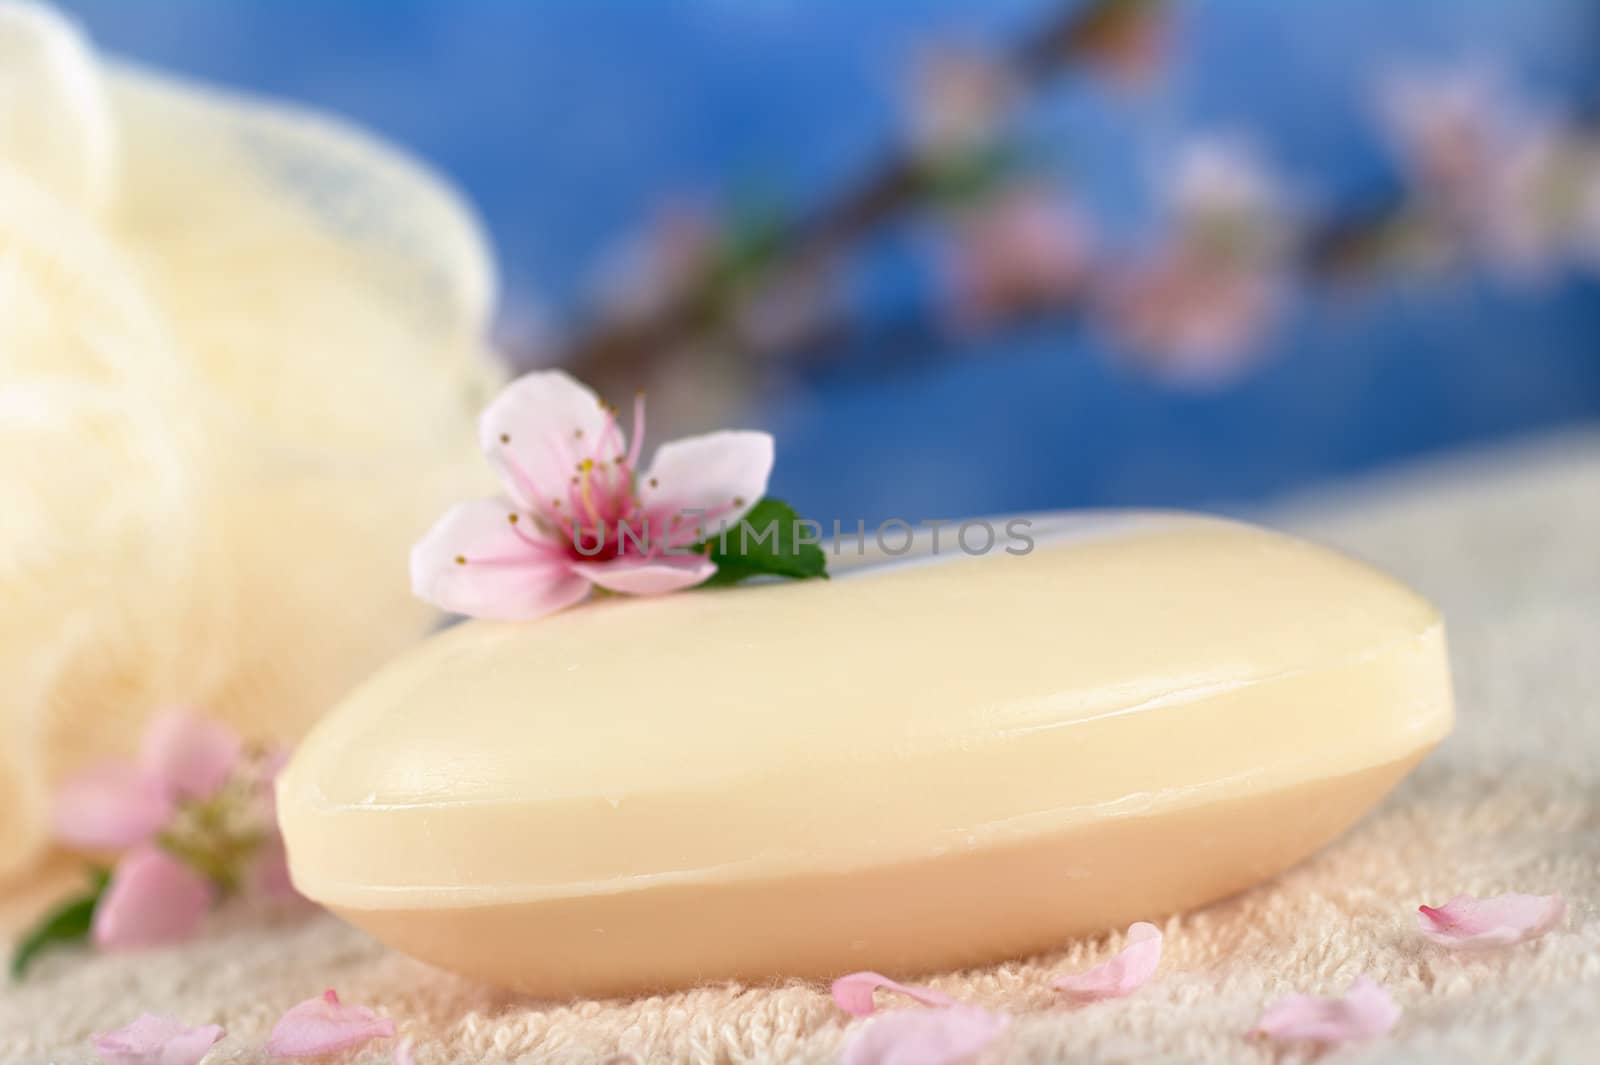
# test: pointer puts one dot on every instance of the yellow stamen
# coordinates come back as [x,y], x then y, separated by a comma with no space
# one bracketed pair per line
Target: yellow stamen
[588,496]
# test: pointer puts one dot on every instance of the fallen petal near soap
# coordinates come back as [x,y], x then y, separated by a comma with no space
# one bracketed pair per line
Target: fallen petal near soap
[853,993]
[322,1025]
[1122,975]
[942,1036]
[156,1040]
[1497,921]
[1363,1012]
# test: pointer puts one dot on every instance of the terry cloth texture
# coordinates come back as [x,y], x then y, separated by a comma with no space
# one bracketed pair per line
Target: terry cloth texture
[1506,542]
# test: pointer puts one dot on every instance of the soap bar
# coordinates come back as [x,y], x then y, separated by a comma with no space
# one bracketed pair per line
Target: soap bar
[916,765]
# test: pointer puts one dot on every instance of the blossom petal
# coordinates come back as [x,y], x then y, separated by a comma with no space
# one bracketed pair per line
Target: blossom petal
[656,576]
[537,430]
[153,898]
[154,1040]
[270,874]
[192,755]
[1363,1012]
[322,1025]
[477,561]
[109,806]
[1498,921]
[941,1036]
[853,993]
[1123,974]
[722,474]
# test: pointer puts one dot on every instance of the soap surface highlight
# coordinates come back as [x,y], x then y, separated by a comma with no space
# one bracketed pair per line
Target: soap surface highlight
[916,765]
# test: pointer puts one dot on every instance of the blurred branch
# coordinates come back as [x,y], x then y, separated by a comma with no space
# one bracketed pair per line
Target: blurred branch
[617,352]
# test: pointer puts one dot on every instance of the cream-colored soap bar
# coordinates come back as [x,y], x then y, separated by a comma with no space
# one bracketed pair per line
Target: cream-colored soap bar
[912,766]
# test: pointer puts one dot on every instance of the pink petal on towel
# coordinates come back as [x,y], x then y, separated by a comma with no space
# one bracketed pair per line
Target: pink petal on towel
[1122,975]
[1498,921]
[153,1040]
[323,1025]
[853,993]
[1363,1012]
[940,1036]
[402,1054]
[152,899]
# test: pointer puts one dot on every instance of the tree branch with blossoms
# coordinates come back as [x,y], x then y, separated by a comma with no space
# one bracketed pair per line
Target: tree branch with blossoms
[700,299]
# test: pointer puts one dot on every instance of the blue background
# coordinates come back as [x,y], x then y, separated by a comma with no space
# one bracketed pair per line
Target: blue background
[565,123]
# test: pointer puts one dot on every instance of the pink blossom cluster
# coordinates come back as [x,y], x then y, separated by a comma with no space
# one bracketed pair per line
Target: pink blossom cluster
[191,819]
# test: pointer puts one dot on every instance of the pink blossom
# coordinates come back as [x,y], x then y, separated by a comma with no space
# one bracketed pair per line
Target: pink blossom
[323,1025]
[154,1040]
[1192,319]
[1543,201]
[958,99]
[578,512]
[121,803]
[153,898]
[1496,175]
[1450,129]
[1025,251]
[1196,307]
[1363,1012]
[1498,921]
[941,1036]
[853,993]
[1122,975]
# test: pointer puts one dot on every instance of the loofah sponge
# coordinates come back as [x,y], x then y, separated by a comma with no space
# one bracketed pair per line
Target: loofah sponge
[240,350]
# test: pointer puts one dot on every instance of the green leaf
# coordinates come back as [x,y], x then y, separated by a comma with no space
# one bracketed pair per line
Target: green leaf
[67,923]
[764,544]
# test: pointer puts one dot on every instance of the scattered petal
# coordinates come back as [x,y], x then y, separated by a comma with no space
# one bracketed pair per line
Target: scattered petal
[656,576]
[853,993]
[1498,921]
[722,474]
[191,755]
[475,561]
[109,806]
[154,1040]
[323,1025]
[1123,974]
[403,1054]
[152,899]
[1364,1012]
[940,1036]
